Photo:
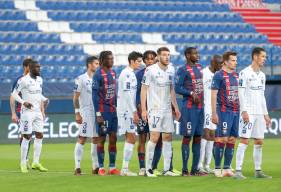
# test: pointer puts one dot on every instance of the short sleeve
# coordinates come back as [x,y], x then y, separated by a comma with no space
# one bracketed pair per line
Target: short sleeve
[242,79]
[78,85]
[216,82]
[146,80]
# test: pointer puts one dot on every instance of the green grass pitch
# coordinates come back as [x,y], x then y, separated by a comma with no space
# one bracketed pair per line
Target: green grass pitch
[58,158]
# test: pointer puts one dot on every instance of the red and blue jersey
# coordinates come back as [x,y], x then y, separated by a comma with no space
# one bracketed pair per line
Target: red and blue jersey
[17,105]
[227,86]
[139,76]
[190,79]
[104,90]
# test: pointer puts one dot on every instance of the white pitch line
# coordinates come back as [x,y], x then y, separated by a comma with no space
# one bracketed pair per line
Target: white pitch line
[14,171]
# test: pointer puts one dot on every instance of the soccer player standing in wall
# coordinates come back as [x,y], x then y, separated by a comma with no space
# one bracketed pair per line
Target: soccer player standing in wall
[254,115]
[225,113]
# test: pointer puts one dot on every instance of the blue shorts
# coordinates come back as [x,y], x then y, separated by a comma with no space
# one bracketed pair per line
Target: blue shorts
[142,127]
[191,122]
[228,124]
[111,123]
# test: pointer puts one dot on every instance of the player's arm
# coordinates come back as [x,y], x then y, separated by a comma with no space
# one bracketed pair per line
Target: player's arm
[241,94]
[138,96]
[126,94]
[76,95]
[44,104]
[174,103]
[96,97]
[13,109]
[264,109]
[179,85]
[216,84]
[144,89]
[15,94]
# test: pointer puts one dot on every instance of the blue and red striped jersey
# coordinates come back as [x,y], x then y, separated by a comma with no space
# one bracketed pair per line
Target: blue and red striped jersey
[188,79]
[104,90]
[139,76]
[227,86]
[17,105]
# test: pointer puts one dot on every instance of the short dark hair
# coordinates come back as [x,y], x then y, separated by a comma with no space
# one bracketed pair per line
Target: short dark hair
[32,63]
[188,50]
[103,56]
[257,51]
[148,52]
[26,62]
[226,55]
[90,60]
[162,49]
[134,56]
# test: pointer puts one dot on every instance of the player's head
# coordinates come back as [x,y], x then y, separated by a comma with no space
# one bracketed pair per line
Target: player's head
[92,63]
[34,68]
[106,59]
[259,56]
[191,54]
[216,62]
[135,59]
[230,59]
[163,55]
[149,57]
[25,65]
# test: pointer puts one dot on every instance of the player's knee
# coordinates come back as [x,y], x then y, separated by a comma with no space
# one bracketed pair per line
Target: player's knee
[165,137]
[258,141]
[130,138]
[95,140]
[197,139]
[154,137]
[82,140]
[39,135]
[244,141]
[186,140]
[231,140]
[221,140]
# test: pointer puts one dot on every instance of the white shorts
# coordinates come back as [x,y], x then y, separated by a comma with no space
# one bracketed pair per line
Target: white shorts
[88,126]
[125,124]
[160,121]
[254,129]
[208,122]
[31,121]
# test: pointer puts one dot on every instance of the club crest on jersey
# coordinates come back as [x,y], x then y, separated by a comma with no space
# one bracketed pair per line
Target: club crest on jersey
[128,85]
[240,82]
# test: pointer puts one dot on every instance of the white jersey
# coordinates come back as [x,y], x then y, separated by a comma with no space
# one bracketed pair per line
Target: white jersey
[251,91]
[207,83]
[127,89]
[159,91]
[83,85]
[31,90]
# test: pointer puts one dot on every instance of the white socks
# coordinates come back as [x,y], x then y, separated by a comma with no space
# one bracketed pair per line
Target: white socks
[37,150]
[94,154]
[24,150]
[240,155]
[257,153]
[127,155]
[167,154]
[150,148]
[202,152]
[209,153]
[78,153]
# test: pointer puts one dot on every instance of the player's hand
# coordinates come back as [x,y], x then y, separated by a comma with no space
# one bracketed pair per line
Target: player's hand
[195,98]
[28,105]
[245,116]
[144,116]
[136,118]
[177,114]
[14,118]
[78,118]
[44,116]
[267,120]
[100,120]
[215,118]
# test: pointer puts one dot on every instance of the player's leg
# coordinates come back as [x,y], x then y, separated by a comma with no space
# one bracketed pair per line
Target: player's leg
[94,155]
[209,150]
[112,149]
[24,150]
[37,151]
[130,140]
[100,152]
[157,155]
[258,135]
[78,154]
[141,153]
[167,154]
[150,148]
[203,150]
[185,154]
